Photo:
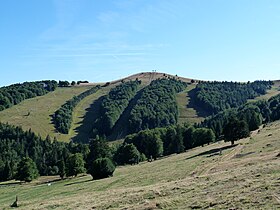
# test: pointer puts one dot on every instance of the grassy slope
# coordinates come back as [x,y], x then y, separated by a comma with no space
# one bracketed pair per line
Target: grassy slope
[84,114]
[40,109]
[187,114]
[275,90]
[242,177]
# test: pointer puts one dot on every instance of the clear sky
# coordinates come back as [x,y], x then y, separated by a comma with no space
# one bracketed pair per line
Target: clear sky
[103,40]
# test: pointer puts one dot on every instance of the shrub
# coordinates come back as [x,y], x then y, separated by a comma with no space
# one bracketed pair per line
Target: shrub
[102,168]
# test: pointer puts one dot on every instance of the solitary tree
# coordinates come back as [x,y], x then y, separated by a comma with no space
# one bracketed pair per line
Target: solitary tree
[101,168]
[27,170]
[236,129]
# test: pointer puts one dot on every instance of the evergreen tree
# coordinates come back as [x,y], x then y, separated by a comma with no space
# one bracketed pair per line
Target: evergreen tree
[27,170]
[61,169]
[75,165]
[236,129]
[127,154]
[101,168]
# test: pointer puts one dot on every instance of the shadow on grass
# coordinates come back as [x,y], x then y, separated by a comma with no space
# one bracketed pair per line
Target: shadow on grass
[84,131]
[10,184]
[213,152]
[80,182]
[192,104]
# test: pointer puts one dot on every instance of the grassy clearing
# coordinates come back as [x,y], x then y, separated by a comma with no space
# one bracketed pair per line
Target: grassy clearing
[245,176]
[275,90]
[187,114]
[41,108]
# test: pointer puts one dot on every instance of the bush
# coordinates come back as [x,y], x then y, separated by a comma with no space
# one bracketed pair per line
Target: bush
[102,168]
[27,170]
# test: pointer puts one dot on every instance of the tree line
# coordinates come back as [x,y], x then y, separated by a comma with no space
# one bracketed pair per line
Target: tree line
[156,106]
[236,123]
[113,105]
[25,156]
[16,93]
[62,118]
[218,96]
[154,143]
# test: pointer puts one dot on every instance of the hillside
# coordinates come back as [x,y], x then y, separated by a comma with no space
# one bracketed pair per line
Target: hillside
[36,113]
[41,108]
[243,176]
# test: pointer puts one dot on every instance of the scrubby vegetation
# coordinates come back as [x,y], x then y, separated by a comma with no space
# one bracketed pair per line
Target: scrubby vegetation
[218,96]
[62,118]
[156,106]
[14,94]
[113,106]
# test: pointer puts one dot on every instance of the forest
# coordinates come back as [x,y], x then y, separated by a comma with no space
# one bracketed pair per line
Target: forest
[14,94]
[156,106]
[62,118]
[152,124]
[113,105]
[218,96]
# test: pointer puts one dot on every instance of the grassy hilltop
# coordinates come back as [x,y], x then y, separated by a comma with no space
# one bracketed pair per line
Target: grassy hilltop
[244,176]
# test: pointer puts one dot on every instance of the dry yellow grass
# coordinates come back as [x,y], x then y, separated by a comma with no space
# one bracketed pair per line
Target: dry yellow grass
[245,176]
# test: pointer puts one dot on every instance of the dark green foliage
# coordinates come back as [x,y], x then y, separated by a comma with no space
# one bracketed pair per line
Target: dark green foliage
[15,144]
[236,129]
[113,106]
[73,83]
[63,116]
[75,165]
[127,154]
[99,148]
[202,136]
[274,106]
[173,139]
[63,83]
[101,168]
[188,137]
[27,170]
[14,94]
[157,106]
[148,142]
[218,96]
[61,169]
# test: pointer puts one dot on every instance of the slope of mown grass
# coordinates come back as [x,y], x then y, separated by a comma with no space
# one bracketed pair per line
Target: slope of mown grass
[217,176]
[40,108]
[187,113]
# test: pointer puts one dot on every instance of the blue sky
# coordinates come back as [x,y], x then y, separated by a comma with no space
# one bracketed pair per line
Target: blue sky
[102,40]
